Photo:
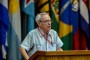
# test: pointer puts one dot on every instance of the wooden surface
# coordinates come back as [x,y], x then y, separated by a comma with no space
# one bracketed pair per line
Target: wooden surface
[61,55]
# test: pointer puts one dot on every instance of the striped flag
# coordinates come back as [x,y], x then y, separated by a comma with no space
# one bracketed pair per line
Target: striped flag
[4,25]
[89,26]
[89,8]
[79,39]
[14,33]
[84,22]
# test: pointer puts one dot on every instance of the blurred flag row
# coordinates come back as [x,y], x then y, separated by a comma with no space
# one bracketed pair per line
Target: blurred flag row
[10,29]
[74,24]
[71,20]
[12,23]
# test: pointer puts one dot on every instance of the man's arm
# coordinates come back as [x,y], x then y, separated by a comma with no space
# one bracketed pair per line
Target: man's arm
[24,53]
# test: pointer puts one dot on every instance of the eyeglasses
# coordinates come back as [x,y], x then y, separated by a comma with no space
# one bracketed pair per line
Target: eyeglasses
[47,21]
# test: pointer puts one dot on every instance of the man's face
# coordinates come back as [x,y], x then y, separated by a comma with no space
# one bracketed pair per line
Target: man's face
[45,23]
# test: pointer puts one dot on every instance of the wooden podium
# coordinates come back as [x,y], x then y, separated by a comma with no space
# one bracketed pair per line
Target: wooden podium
[61,55]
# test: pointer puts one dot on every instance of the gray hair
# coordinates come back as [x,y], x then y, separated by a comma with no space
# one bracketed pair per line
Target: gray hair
[39,16]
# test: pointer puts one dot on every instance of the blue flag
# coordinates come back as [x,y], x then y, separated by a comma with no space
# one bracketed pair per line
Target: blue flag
[28,8]
[14,32]
[4,25]
[68,22]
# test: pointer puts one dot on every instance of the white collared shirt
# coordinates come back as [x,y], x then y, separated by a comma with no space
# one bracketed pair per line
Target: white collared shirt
[35,41]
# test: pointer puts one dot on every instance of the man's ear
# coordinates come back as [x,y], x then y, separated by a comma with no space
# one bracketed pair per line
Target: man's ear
[38,23]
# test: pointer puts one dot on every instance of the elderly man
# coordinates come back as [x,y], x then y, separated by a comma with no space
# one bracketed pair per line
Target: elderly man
[42,38]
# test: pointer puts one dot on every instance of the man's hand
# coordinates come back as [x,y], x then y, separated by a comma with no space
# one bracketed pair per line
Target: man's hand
[24,53]
[60,49]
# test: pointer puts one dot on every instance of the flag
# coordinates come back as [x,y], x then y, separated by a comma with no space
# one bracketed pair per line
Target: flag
[42,6]
[4,25]
[28,8]
[89,8]
[14,32]
[54,14]
[89,26]
[71,31]
[65,25]
[84,23]
[75,23]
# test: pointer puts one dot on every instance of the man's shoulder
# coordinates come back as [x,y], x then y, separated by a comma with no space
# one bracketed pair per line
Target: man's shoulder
[33,31]
[52,30]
